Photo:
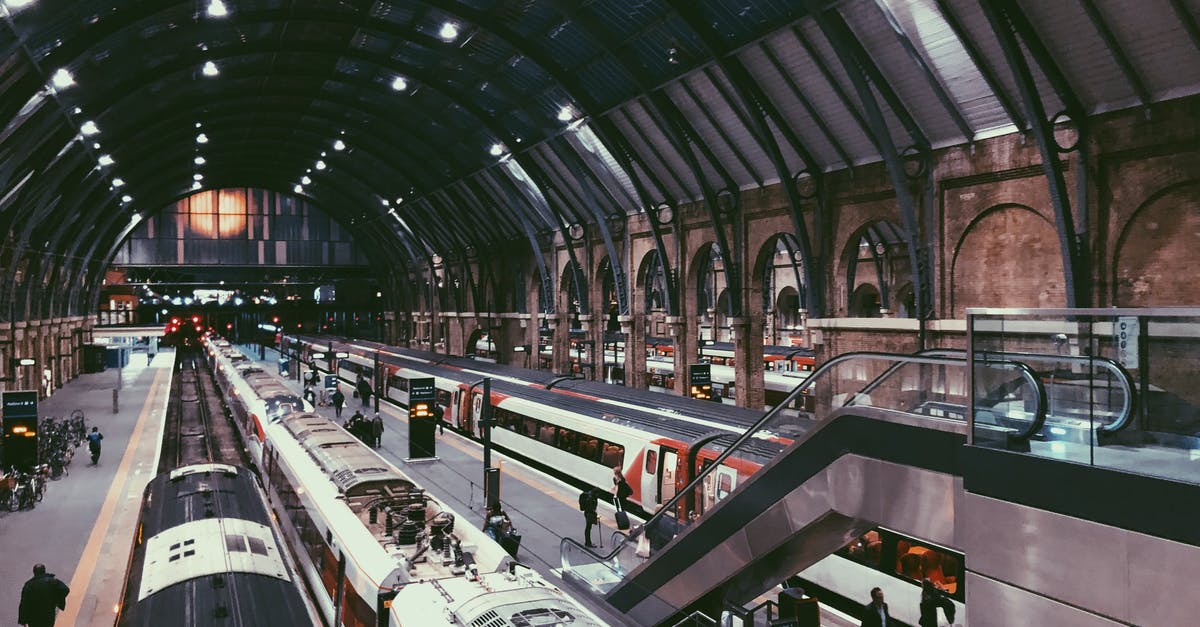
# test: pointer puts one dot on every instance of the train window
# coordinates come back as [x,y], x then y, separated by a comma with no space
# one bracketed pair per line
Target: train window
[917,562]
[651,462]
[589,448]
[724,486]
[614,455]
[867,549]
[566,439]
[530,428]
[546,434]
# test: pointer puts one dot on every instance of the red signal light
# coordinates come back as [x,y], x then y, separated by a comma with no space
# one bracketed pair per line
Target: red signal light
[195,318]
[175,321]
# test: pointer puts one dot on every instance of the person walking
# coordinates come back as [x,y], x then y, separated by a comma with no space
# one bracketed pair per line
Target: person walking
[94,444]
[587,504]
[931,599]
[364,391]
[376,431]
[338,400]
[875,613]
[41,598]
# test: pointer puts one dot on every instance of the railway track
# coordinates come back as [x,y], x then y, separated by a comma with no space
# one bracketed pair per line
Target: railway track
[198,430]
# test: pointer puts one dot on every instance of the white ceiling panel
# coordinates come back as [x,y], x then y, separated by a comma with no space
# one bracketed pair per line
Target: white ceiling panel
[655,150]
[791,108]
[1157,45]
[945,55]
[1080,52]
[905,77]
[704,112]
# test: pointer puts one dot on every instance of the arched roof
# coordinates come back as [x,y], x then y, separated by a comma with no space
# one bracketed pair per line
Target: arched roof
[594,109]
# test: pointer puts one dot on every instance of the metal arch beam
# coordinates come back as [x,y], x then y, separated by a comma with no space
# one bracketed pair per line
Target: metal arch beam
[981,64]
[712,121]
[680,138]
[550,189]
[1022,26]
[505,186]
[866,65]
[837,32]
[495,217]
[833,83]
[1187,20]
[812,112]
[1078,290]
[658,156]
[1118,53]
[625,155]
[560,195]
[936,85]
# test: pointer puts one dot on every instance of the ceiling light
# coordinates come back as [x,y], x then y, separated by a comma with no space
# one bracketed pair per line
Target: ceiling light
[298,189]
[399,84]
[62,79]
[399,200]
[199,160]
[449,31]
[322,153]
[202,138]
[198,125]
[126,198]
[320,165]
[118,182]
[565,114]
[96,145]
[385,201]
[210,69]
[496,150]
[305,180]
[78,110]
[216,8]
[17,4]
[197,177]
[89,128]
[105,160]
[196,185]
[339,145]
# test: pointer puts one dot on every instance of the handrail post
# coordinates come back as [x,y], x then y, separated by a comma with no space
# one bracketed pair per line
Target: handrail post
[970,379]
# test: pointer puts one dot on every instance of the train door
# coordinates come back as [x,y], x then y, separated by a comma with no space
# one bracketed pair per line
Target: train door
[669,461]
[649,491]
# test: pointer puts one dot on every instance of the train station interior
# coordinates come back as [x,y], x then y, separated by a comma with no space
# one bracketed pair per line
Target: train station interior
[852,294]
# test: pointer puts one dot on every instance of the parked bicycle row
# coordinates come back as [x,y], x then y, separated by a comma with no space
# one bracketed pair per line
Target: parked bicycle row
[23,487]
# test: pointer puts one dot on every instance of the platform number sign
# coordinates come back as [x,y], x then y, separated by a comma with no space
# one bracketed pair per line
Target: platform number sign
[1125,333]
[700,381]
[20,414]
[422,418]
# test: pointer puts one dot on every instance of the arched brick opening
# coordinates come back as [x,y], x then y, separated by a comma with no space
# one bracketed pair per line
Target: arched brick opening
[1031,274]
[1149,266]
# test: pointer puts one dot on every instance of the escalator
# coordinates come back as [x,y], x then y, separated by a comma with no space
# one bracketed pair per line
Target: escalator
[879,444]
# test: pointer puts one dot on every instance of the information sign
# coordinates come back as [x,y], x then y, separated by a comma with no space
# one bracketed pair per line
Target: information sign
[422,418]
[700,381]
[20,418]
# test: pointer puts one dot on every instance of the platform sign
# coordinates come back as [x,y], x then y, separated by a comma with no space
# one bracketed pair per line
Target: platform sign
[422,418]
[20,416]
[331,381]
[700,381]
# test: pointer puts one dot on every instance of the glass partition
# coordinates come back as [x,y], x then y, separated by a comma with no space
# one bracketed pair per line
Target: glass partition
[1120,384]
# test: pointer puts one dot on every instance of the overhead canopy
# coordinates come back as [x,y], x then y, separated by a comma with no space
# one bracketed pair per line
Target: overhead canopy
[418,121]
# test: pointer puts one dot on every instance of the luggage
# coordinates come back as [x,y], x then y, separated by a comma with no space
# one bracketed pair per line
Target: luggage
[511,543]
[621,516]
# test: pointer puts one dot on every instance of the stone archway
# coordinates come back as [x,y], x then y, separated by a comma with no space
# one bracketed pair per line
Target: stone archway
[1033,274]
[1164,230]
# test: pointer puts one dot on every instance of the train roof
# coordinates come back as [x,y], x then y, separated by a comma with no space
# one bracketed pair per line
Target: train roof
[352,466]
[225,599]
[199,492]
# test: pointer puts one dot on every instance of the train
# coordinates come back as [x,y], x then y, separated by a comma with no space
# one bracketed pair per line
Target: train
[375,548]
[206,552]
[784,367]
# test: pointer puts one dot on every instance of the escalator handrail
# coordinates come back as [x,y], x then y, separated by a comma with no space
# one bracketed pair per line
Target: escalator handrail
[1126,415]
[572,542]
[749,433]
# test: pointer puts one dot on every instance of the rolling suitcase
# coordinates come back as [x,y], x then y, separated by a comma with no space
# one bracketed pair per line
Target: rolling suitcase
[621,516]
[511,543]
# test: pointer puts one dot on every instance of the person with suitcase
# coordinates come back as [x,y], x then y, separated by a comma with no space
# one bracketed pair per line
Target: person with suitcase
[621,493]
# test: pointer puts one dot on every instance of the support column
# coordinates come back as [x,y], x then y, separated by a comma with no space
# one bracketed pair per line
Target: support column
[635,350]
[678,328]
[20,349]
[593,351]
[748,351]
[560,324]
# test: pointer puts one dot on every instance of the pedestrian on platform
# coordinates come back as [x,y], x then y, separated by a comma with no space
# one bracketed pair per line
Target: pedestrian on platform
[621,488]
[376,431]
[41,598]
[932,598]
[94,444]
[364,391]
[587,504]
[339,400]
[875,613]
[439,413]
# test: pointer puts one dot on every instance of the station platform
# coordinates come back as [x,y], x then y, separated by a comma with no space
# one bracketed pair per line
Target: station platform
[83,528]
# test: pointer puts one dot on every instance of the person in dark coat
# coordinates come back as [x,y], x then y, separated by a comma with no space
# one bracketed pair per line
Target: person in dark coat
[875,613]
[376,431]
[587,503]
[931,599]
[338,400]
[621,489]
[364,392]
[41,598]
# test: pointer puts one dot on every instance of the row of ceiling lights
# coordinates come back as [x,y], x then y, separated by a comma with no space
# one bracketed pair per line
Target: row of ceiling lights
[63,79]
